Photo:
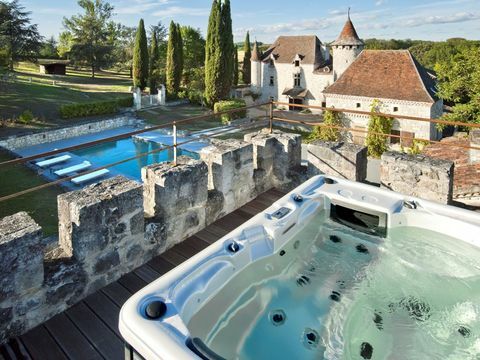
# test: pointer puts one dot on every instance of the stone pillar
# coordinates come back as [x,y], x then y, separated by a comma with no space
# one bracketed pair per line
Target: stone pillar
[137,98]
[230,175]
[418,175]
[102,227]
[21,271]
[161,95]
[340,159]
[275,157]
[175,199]
[475,141]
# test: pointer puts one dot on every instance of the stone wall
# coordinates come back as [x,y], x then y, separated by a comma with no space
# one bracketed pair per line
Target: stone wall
[16,142]
[418,175]
[341,159]
[475,141]
[112,227]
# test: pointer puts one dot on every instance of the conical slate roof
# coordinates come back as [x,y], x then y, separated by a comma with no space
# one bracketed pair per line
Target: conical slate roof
[256,56]
[348,36]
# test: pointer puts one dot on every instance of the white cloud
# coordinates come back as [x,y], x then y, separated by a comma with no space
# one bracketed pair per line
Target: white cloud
[442,19]
[178,10]
[139,6]
[380,2]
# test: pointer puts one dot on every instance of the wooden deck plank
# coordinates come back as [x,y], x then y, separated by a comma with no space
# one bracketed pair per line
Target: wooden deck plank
[117,293]
[160,265]
[105,309]
[105,341]
[146,273]
[173,257]
[41,345]
[70,339]
[132,282]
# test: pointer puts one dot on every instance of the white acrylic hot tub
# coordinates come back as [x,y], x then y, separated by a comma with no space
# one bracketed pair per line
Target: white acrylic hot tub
[301,278]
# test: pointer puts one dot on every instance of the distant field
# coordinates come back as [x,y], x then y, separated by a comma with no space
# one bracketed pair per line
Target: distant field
[36,92]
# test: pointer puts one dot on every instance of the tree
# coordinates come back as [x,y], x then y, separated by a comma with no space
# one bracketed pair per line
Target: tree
[123,48]
[218,53]
[18,37]
[174,59]
[459,84]
[193,52]
[377,143]
[140,58]
[246,69]
[235,67]
[65,43]
[49,49]
[330,118]
[90,33]
[153,75]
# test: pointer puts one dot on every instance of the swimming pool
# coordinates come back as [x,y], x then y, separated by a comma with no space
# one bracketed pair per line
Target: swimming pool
[333,270]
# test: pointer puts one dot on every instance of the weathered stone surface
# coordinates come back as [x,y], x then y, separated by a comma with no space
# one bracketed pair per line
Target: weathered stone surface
[418,175]
[276,157]
[176,197]
[475,141]
[99,215]
[230,171]
[340,159]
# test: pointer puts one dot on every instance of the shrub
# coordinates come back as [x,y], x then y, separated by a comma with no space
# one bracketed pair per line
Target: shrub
[26,117]
[95,108]
[376,143]
[330,118]
[417,146]
[230,105]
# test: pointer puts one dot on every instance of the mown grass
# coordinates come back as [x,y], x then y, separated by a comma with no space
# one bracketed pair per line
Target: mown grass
[41,205]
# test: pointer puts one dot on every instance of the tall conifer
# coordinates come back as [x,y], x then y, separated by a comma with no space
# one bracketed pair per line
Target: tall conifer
[235,66]
[140,58]
[247,66]
[154,58]
[172,60]
[213,64]
[180,59]
[228,48]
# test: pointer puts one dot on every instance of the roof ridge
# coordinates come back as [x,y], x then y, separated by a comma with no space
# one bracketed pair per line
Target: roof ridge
[419,75]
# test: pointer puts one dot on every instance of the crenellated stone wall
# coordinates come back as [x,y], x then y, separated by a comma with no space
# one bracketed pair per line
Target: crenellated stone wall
[112,227]
[418,175]
[341,159]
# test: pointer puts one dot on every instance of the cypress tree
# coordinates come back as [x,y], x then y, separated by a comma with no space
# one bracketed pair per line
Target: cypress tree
[153,76]
[247,66]
[172,60]
[228,48]
[140,58]
[235,66]
[180,59]
[213,64]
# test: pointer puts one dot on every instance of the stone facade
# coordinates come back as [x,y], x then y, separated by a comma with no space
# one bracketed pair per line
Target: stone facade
[418,175]
[475,142]
[17,142]
[102,229]
[338,159]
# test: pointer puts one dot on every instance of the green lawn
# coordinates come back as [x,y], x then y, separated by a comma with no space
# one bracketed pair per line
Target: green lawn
[36,92]
[41,205]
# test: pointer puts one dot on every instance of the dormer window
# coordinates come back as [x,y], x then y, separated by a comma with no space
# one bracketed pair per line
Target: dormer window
[297,63]
[297,79]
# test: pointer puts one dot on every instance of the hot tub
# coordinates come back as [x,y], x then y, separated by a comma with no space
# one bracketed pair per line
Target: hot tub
[334,269]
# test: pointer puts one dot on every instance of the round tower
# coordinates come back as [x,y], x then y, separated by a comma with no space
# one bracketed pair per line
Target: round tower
[256,61]
[346,48]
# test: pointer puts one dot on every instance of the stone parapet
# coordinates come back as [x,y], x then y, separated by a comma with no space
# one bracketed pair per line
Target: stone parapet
[341,159]
[418,175]
[475,141]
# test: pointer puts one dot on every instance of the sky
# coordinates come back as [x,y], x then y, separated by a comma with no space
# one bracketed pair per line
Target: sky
[267,19]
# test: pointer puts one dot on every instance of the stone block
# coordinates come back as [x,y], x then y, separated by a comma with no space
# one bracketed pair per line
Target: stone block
[99,217]
[418,175]
[475,141]
[340,159]
[175,199]
[230,172]
[276,156]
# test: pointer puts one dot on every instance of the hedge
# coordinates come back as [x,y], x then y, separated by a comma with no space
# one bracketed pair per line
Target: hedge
[230,105]
[95,108]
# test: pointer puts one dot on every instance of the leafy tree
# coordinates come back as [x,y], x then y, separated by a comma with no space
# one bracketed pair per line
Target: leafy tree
[140,58]
[18,37]
[65,44]
[90,33]
[193,52]
[459,84]
[246,69]
[124,44]
[218,53]
[174,59]
[376,143]
[49,49]
[330,118]
[153,75]
[235,67]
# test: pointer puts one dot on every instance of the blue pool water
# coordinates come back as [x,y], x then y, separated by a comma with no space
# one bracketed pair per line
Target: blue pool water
[112,152]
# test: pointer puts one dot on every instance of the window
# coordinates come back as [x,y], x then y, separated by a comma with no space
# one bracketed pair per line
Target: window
[272,80]
[297,63]
[395,140]
[395,109]
[324,104]
[359,105]
[297,79]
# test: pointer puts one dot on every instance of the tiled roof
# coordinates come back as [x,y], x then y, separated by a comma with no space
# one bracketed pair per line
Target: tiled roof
[348,36]
[386,74]
[285,48]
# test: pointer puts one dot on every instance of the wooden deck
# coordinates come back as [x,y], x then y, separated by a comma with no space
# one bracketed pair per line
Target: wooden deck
[89,329]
